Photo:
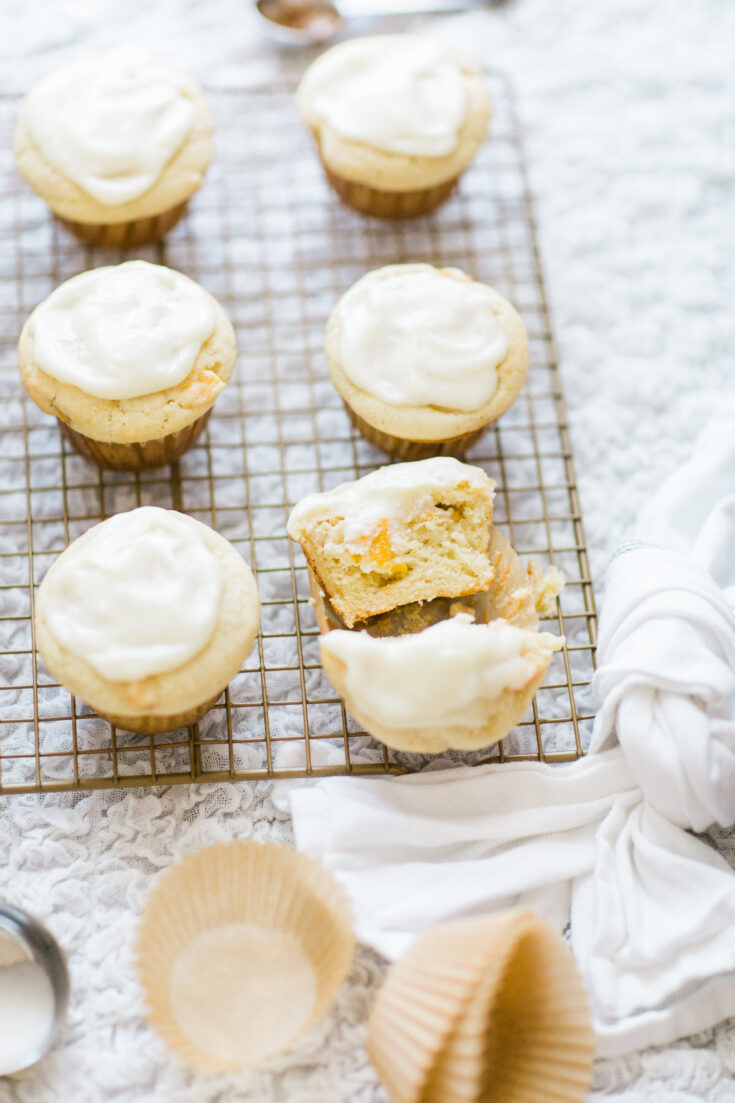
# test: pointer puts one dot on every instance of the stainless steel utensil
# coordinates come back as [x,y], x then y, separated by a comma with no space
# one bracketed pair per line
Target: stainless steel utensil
[316,22]
[24,941]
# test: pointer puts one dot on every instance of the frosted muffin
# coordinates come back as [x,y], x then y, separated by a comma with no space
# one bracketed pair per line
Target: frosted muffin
[455,684]
[425,358]
[130,359]
[116,145]
[146,618]
[407,533]
[396,119]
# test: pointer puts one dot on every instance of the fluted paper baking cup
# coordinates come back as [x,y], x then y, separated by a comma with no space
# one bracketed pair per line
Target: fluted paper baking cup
[508,597]
[242,948]
[146,724]
[126,235]
[484,1009]
[389,204]
[408,450]
[140,456]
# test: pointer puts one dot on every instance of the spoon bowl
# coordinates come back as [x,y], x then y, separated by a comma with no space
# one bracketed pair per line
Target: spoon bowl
[298,23]
[34,988]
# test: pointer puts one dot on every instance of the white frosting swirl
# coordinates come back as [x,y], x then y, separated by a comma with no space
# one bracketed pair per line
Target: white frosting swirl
[138,595]
[451,674]
[123,331]
[111,123]
[393,493]
[397,93]
[413,335]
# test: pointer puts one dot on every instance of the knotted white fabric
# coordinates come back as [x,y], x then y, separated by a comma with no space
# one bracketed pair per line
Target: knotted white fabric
[605,841]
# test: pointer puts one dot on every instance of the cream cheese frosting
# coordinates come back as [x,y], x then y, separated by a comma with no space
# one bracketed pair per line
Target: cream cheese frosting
[394,492]
[397,93]
[451,674]
[122,331]
[136,596]
[415,335]
[111,123]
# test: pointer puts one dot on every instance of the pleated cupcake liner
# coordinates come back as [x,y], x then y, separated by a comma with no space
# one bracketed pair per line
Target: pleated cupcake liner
[407,450]
[154,725]
[264,888]
[484,1008]
[126,235]
[389,204]
[139,456]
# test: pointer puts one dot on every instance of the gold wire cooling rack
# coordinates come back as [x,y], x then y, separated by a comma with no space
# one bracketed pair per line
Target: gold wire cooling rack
[276,248]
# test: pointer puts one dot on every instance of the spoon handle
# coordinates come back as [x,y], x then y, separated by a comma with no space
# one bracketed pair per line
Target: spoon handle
[418,7]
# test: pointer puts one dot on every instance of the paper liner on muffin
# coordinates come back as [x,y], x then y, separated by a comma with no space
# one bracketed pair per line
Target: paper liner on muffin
[389,204]
[126,235]
[154,725]
[491,1007]
[296,919]
[404,449]
[140,456]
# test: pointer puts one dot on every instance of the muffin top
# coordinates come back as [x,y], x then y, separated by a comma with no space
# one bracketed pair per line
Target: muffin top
[415,335]
[452,673]
[392,493]
[127,352]
[122,331]
[395,110]
[426,353]
[400,94]
[138,596]
[147,613]
[111,123]
[120,135]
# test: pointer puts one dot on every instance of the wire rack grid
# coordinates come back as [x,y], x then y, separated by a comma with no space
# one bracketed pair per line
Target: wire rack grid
[276,248]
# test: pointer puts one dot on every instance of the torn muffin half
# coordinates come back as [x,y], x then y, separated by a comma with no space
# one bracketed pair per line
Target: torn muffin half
[409,532]
[456,684]
[429,621]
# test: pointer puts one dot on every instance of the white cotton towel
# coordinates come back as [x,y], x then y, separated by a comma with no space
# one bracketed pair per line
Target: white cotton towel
[666,684]
[605,840]
[412,851]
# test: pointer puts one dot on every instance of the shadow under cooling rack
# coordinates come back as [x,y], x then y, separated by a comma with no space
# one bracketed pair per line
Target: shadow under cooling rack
[276,248]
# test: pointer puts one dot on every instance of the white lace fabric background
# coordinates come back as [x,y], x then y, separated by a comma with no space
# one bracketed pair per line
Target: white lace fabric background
[627,110]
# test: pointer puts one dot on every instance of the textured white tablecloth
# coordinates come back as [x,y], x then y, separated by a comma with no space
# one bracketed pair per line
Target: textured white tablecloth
[627,107]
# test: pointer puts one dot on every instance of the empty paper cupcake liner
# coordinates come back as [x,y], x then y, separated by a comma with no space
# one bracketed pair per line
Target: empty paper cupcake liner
[140,456]
[486,1008]
[242,948]
[126,235]
[407,450]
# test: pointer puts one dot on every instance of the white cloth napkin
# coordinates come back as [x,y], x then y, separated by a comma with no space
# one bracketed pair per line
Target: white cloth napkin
[604,841]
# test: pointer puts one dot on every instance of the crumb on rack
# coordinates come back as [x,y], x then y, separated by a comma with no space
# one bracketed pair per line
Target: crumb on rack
[545,587]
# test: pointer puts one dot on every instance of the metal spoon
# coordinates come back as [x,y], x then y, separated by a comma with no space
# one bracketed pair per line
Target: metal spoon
[25,942]
[299,22]
[316,22]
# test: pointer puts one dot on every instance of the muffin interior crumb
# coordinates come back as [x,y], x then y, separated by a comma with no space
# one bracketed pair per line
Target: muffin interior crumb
[438,552]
